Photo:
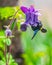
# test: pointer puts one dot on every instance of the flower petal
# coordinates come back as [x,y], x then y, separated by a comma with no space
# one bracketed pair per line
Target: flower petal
[8,32]
[37,13]
[31,9]
[24,9]
[23,27]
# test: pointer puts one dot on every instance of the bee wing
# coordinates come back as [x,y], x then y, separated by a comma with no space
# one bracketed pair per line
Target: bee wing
[35,32]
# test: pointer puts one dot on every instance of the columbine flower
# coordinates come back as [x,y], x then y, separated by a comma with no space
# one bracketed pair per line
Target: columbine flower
[8,32]
[31,16]
[32,20]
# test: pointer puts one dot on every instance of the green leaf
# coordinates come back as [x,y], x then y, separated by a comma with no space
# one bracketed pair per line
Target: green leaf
[11,61]
[6,12]
[1,54]
[8,42]
[13,25]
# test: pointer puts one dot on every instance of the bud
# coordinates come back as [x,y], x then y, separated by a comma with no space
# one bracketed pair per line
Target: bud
[8,32]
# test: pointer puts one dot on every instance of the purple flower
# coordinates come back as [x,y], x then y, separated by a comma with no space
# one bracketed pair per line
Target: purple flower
[32,20]
[31,17]
[8,32]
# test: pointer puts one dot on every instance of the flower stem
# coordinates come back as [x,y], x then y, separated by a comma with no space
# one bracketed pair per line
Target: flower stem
[9,53]
[5,54]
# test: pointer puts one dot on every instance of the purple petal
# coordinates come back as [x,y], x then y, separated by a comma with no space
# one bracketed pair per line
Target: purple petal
[31,9]
[28,18]
[24,9]
[23,27]
[8,32]
[37,13]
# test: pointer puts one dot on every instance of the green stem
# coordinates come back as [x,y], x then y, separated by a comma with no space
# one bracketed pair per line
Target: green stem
[9,53]
[5,54]
[14,17]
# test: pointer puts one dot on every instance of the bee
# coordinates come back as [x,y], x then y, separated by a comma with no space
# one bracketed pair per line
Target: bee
[37,28]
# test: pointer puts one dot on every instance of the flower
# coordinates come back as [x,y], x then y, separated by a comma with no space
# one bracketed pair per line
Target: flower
[8,32]
[32,20]
[31,17]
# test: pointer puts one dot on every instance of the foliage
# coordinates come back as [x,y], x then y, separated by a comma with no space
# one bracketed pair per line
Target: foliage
[8,13]
[3,43]
[11,61]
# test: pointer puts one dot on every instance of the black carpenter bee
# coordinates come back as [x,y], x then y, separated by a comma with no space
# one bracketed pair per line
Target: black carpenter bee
[37,28]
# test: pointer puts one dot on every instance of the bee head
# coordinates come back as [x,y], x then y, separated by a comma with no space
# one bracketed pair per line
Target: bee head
[43,30]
